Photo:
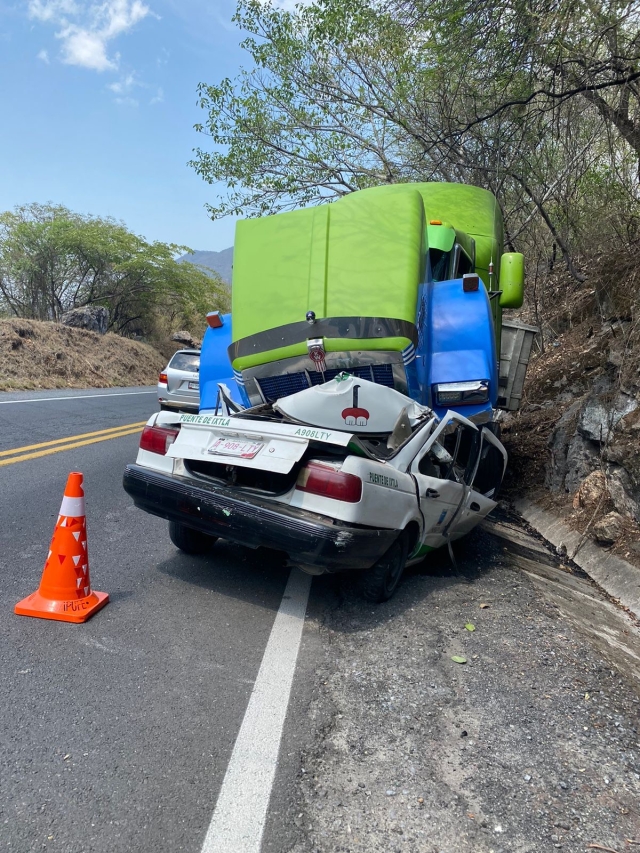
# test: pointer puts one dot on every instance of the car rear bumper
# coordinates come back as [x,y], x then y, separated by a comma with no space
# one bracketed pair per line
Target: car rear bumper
[191,406]
[179,399]
[312,543]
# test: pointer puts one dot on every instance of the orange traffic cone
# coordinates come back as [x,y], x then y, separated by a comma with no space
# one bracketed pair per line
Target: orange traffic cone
[65,588]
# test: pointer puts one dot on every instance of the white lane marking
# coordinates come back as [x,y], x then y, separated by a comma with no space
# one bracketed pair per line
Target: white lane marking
[239,817]
[77,397]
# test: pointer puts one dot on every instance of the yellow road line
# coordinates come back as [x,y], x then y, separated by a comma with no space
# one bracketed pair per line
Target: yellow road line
[15,450]
[39,453]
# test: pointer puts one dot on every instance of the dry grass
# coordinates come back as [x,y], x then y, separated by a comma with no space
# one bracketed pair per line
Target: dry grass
[48,355]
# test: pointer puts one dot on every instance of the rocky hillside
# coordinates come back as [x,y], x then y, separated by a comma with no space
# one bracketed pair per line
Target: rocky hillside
[575,444]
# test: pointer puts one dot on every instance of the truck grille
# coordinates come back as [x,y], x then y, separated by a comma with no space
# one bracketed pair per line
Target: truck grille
[275,387]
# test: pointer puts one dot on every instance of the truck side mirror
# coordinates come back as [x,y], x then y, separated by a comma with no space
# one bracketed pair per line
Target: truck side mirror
[511,280]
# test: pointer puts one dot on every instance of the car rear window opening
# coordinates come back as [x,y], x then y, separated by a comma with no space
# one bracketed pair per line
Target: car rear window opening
[185,361]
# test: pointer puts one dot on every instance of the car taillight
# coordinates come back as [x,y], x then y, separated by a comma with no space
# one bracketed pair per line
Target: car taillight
[326,481]
[163,378]
[157,439]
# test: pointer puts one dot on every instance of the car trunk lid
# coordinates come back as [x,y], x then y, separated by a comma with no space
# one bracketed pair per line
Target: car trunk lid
[246,443]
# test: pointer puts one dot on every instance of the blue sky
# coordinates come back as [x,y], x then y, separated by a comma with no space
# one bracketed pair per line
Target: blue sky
[98,102]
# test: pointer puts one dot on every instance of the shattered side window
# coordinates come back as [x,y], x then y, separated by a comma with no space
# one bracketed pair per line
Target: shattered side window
[436,462]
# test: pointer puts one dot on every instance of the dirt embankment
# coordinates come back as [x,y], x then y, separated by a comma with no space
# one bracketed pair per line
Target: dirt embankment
[48,355]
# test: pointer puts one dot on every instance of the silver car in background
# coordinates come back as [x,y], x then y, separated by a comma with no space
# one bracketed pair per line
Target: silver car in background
[178,384]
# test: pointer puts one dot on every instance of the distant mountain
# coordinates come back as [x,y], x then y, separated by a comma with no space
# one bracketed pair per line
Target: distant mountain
[220,262]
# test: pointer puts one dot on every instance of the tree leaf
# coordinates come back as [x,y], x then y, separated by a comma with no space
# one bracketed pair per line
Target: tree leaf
[458,659]
[470,626]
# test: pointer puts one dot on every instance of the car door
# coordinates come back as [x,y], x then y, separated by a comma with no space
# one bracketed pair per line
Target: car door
[442,470]
[485,480]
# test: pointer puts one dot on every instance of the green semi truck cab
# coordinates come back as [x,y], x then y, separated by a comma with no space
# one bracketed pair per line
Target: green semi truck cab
[402,284]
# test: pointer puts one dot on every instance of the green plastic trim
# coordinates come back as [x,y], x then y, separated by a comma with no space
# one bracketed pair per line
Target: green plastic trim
[441,237]
[422,550]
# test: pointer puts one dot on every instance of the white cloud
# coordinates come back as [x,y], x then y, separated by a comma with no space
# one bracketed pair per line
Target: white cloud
[86,30]
[52,10]
[44,56]
[123,89]
[87,49]
[124,85]
[158,98]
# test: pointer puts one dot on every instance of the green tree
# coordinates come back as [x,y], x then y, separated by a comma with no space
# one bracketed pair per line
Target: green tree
[545,53]
[525,97]
[52,259]
[322,110]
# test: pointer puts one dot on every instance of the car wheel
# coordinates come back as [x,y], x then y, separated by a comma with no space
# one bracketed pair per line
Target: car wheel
[381,581]
[189,540]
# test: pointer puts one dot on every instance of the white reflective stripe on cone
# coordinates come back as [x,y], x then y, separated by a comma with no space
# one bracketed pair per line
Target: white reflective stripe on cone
[73,507]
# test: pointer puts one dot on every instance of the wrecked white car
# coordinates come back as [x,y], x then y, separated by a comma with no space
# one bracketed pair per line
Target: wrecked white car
[345,475]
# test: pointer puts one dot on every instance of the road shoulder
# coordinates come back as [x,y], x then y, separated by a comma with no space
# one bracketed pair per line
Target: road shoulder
[615,576]
[531,745]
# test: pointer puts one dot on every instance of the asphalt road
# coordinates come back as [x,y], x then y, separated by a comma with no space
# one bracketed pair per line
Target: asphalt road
[116,734]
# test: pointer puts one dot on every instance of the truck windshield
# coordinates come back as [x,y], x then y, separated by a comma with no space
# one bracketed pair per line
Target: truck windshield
[439,264]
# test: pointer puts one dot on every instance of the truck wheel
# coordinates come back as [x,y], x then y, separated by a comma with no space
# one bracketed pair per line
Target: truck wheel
[189,540]
[381,581]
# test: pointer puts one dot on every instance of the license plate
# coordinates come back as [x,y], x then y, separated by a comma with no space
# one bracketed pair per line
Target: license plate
[231,447]
[194,386]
